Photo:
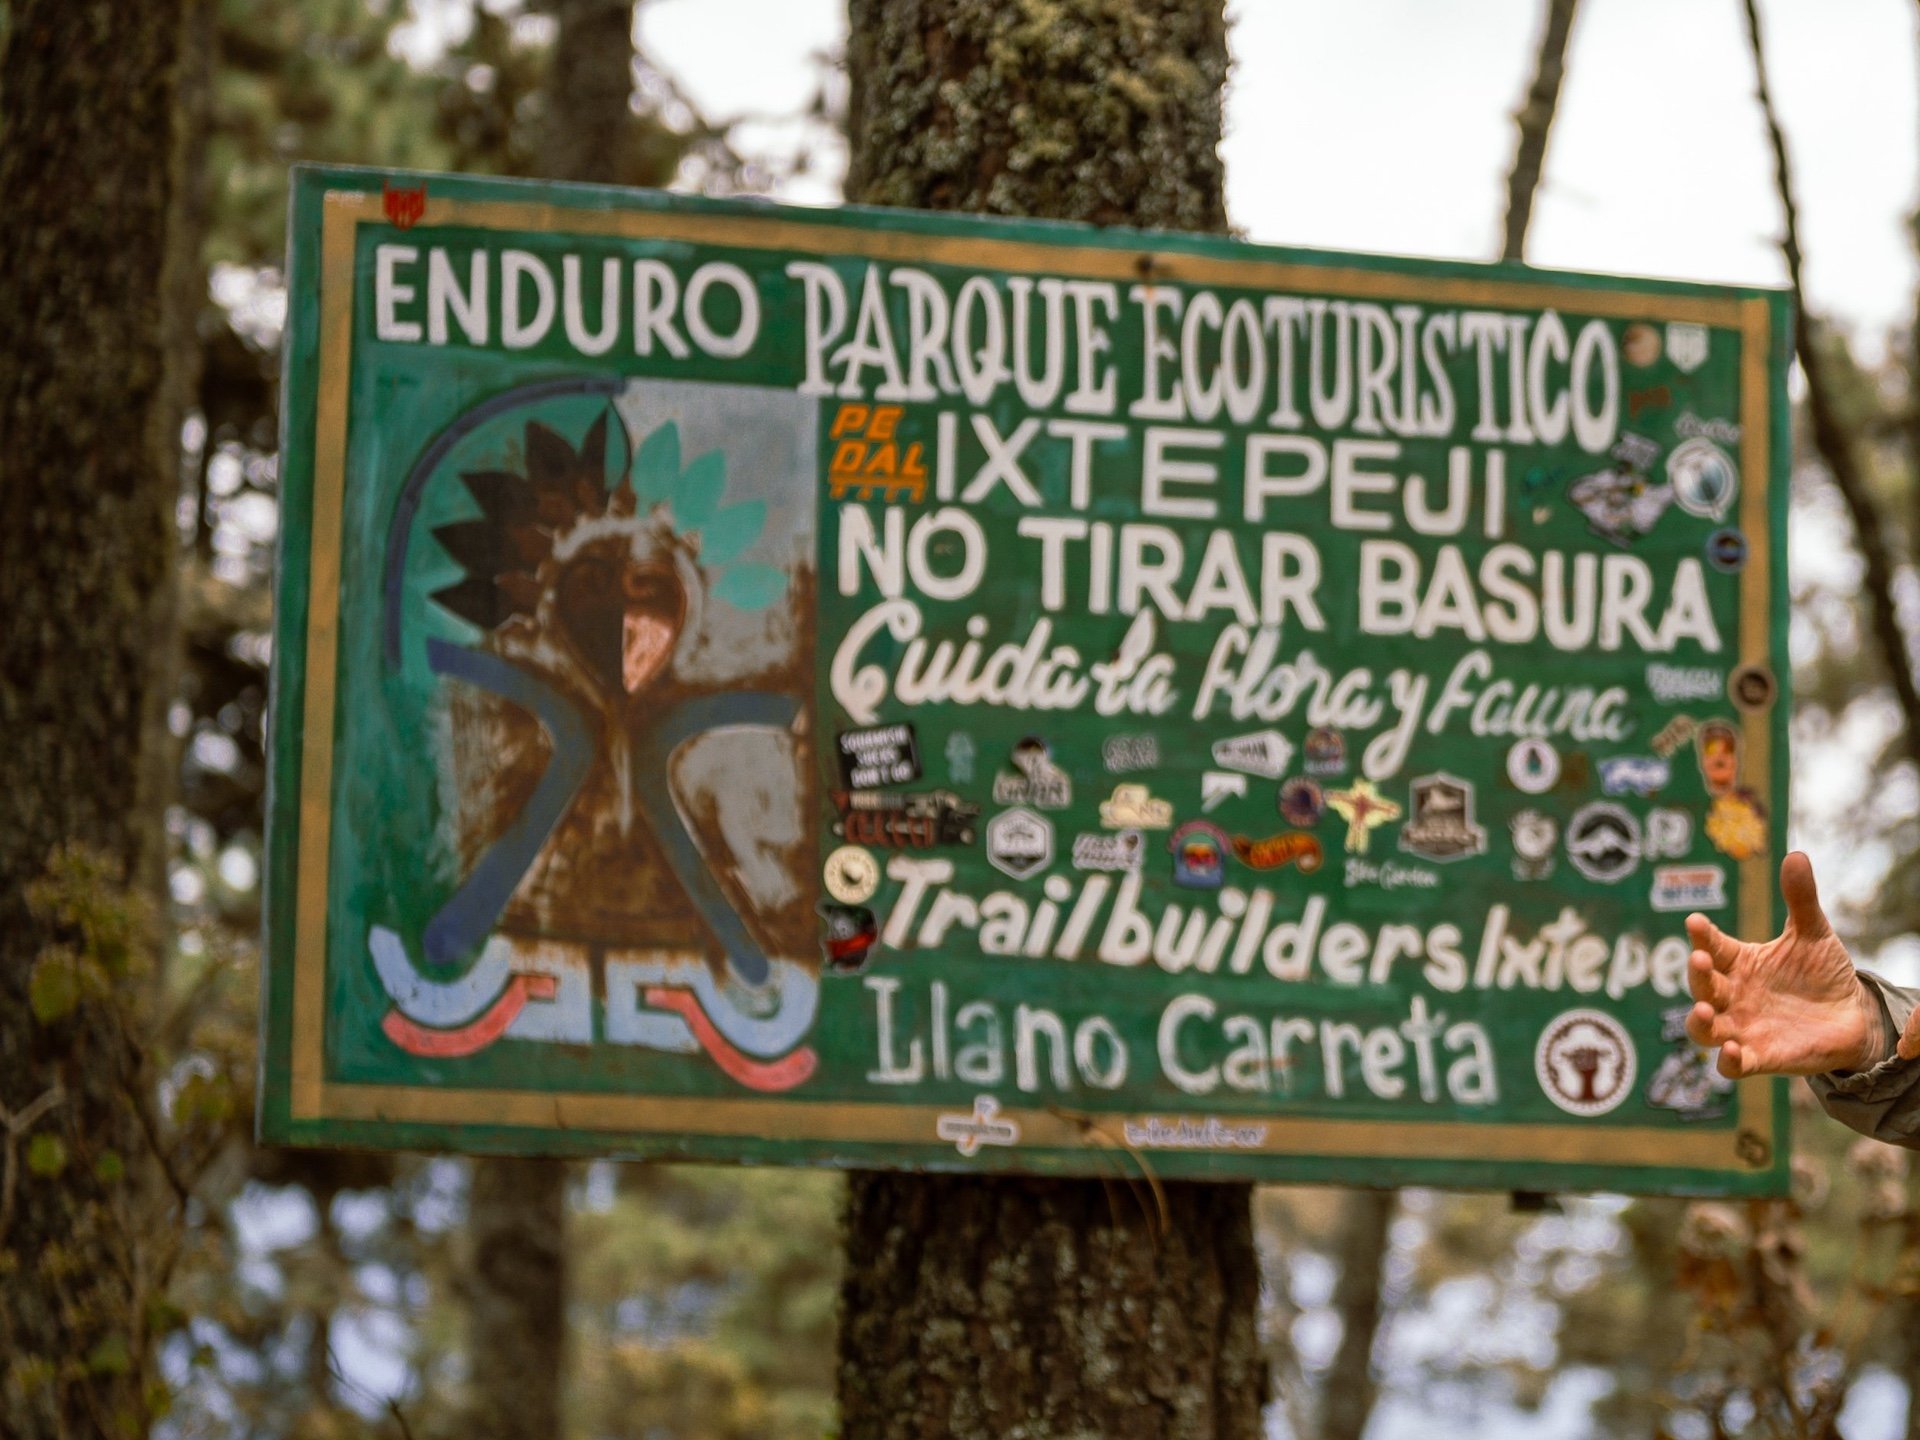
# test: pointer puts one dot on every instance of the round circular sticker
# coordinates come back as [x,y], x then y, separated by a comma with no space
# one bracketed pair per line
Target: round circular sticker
[1585,1062]
[851,875]
[1533,766]
[1751,687]
[1704,480]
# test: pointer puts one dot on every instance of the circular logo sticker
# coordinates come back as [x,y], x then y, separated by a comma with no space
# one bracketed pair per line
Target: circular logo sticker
[1603,841]
[1641,345]
[1301,802]
[1585,1062]
[1533,766]
[1751,687]
[1703,478]
[851,875]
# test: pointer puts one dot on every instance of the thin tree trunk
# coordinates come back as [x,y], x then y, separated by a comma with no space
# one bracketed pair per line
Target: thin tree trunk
[516,1299]
[975,1307]
[516,1293]
[1360,1249]
[1534,121]
[88,483]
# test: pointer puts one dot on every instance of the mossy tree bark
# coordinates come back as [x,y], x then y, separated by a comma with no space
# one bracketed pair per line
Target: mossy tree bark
[984,1308]
[88,485]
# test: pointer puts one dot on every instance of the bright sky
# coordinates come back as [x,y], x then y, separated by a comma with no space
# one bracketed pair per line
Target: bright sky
[1385,125]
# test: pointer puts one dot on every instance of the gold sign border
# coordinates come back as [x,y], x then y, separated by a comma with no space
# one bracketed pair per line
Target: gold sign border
[315,1097]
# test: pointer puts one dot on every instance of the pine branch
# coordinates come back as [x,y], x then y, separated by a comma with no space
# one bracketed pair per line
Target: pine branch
[1535,119]
[1830,437]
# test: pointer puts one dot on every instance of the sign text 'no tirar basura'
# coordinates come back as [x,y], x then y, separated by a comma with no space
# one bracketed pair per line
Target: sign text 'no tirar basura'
[883,689]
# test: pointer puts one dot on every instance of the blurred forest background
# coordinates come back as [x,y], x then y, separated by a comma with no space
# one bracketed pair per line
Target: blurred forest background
[318,1294]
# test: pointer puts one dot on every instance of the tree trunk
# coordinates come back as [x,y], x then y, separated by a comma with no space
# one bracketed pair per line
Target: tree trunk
[976,1307]
[1360,1248]
[88,484]
[516,1292]
[589,95]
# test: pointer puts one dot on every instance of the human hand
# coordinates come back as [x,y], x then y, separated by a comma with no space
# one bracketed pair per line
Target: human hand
[1789,1006]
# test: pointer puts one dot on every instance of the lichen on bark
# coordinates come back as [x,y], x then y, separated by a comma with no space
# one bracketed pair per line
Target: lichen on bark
[1008,1309]
[1003,1308]
[1106,111]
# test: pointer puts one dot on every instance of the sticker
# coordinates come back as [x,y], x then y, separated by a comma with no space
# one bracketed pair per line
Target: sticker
[1199,855]
[1124,753]
[1277,850]
[403,207]
[1634,775]
[1669,834]
[851,933]
[985,1126]
[1726,550]
[869,460]
[1364,809]
[1689,887]
[960,756]
[1534,836]
[1265,753]
[1675,733]
[1655,397]
[1703,479]
[1390,875]
[1673,683]
[1133,807]
[1034,778]
[1533,766]
[1687,345]
[851,875]
[1634,452]
[1603,841]
[1640,345]
[1621,505]
[1737,825]
[1585,1062]
[1441,826]
[1326,752]
[1717,745]
[1692,427]
[1099,850]
[878,755]
[914,821]
[1301,803]
[1751,687]
[1687,1079]
[1019,842]
[1219,786]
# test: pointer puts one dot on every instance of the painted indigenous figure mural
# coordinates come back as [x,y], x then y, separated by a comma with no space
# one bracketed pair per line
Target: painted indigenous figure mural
[620,759]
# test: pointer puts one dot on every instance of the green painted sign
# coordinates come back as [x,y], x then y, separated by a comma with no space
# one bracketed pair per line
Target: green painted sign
[873,688]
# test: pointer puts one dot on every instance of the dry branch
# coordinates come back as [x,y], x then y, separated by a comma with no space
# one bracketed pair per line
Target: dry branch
[1535,119]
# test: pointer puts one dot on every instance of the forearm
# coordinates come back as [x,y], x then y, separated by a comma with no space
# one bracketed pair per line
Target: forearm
[1881,1097]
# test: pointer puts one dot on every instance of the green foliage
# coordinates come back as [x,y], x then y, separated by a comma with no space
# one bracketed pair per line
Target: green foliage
[46,1155]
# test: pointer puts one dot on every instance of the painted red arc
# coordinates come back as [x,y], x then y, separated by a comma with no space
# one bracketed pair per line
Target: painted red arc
[476,1034]
[782,1074]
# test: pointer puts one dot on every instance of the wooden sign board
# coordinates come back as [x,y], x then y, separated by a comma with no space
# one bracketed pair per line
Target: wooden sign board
[872,688]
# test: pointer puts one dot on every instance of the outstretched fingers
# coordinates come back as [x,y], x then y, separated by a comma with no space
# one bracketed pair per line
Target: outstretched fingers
[1733,1062]
[1797,887]
[1909,1044]
[1707,1026]
[1707,983]
[1719,946]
